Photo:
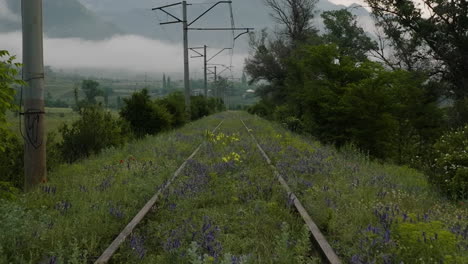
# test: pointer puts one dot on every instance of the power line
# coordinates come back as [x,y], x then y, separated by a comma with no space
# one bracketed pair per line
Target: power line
[187,27]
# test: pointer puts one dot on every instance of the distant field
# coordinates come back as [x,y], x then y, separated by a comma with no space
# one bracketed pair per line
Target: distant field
[55,117]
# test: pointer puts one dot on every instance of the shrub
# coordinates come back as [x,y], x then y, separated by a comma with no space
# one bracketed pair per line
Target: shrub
[262,108]
[145,116]
[450,167]
[11,163]
[426,242]
[8,191]
[95,130]
[287,118]
[174,103]
[199,107]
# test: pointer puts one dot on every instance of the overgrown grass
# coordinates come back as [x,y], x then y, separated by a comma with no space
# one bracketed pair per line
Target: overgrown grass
[370,212]
[225,208]
[73,217]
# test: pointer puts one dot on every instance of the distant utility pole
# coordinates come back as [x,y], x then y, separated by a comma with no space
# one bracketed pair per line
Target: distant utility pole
[215,73]
[35,169]
[205,71]
[205,63]
[186,27]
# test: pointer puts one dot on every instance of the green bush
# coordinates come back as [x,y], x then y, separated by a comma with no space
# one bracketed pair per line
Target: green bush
[286,116]
[262,108]
[11,163]
[145,116]
[426,242]
[199,107]
[174,103]
[450,167]
[94,131]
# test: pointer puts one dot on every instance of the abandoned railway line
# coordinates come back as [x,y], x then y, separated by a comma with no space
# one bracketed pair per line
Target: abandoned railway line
[227,195]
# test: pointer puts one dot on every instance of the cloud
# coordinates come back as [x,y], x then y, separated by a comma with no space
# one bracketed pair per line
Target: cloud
[6,13]
[127,52]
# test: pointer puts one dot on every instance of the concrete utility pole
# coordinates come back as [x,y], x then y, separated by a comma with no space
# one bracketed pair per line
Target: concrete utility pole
[216,82]
[186,57]
[35,170]
[205,72]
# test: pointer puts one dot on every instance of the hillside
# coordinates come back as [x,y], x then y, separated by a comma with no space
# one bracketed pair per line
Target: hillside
[64,19]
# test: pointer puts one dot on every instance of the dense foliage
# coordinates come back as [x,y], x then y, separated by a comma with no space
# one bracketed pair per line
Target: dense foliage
[96,130]
[326,85]
[148,117]
[10,147]
[144,115]
[450,167]
[75,215]
[370,212]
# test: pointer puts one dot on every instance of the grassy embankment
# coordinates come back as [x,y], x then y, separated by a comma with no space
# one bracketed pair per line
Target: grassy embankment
[370,212]
[231,205]
[84,205]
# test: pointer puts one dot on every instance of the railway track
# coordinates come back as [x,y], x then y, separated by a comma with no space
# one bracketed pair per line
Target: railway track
[319,239]
[114,246]
[320,243]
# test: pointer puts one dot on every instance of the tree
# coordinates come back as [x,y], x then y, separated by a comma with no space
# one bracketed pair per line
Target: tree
[389,114]
[342,29]
[91,90]
[145,116]
[119,102]
[107,91]
[164,82]
[169,83]
[295,16]
[9,71]
[268,63]
[441,32]
[11,149]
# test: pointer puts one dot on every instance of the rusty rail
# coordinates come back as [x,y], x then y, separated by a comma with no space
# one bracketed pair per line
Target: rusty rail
[114,246]
[319,239]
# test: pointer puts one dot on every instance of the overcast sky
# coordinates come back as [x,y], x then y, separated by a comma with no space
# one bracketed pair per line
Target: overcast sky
[347,2]
[132,53]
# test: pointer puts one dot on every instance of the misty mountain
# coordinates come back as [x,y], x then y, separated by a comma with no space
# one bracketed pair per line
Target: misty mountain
[136,17]
[63,19]
[101,19]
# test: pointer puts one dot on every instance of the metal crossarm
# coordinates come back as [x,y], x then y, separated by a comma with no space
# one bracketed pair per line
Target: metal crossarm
[208,10]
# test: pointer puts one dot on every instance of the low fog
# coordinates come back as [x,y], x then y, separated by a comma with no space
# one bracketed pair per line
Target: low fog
[129,53]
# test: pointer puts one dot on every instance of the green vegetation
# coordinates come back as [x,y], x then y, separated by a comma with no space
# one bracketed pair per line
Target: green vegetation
[145,116]
[227,204]
[450,167]
[370,212]
[327,86]
[93,132]
[10,148]
[84,205]
[226,207]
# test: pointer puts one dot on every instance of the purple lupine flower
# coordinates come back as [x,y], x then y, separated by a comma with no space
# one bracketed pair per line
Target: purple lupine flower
[49,189]
[116,211]
[137,245]
[63,206]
